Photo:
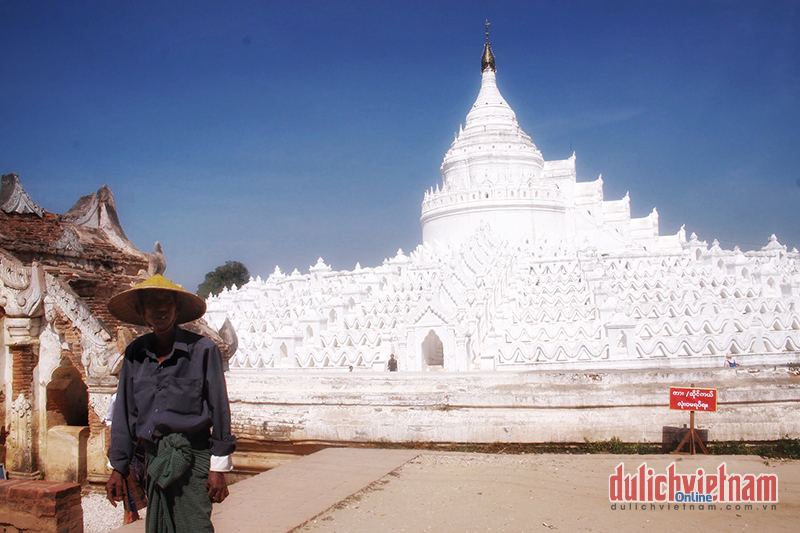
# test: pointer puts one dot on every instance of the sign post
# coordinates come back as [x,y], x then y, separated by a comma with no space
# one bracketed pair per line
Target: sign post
[692,399]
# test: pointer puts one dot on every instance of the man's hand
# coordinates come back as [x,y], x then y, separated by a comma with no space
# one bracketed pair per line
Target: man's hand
[217,487]
[114,488]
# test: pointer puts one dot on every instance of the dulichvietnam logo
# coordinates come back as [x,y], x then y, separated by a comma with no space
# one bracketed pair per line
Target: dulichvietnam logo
[705,490]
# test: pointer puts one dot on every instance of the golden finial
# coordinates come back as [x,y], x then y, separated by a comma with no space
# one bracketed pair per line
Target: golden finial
[487,60]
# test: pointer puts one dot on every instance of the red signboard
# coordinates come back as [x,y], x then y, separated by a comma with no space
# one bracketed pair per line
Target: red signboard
[692,399]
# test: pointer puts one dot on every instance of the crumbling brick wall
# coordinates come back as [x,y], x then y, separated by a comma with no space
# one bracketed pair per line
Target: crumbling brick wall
[40,507]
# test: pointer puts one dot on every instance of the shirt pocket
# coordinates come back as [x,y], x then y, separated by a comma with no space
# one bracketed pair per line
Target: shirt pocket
[185,395]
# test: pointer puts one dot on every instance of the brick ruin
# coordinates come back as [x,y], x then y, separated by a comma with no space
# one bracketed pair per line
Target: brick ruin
[40,507]
[61,349]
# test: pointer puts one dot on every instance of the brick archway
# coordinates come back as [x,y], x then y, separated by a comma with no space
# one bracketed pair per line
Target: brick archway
[67,398]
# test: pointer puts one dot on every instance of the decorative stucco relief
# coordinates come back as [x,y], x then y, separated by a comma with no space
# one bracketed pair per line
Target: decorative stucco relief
[14,199]
[68,244]
[21,288]
[20,436]
[49,352]
[98,353]
[100,402]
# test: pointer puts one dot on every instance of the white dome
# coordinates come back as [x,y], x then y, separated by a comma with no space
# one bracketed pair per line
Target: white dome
[492,148]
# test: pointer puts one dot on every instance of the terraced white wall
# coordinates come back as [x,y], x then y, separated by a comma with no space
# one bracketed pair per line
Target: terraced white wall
[523,267]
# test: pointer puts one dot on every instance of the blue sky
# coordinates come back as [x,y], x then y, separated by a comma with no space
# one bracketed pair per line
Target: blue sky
[276,132]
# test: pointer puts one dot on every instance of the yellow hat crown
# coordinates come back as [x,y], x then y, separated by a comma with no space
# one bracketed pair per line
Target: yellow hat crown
[125,305]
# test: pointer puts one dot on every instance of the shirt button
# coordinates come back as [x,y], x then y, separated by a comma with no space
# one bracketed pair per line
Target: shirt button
[156,410]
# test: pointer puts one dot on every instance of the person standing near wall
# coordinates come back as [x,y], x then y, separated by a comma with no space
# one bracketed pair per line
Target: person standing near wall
[134,485]
[172,397]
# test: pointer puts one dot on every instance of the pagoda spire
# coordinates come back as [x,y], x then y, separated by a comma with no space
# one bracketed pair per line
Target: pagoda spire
[487,59]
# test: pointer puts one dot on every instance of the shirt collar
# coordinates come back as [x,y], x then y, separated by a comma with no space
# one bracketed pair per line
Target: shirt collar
[180,345]
[181,341]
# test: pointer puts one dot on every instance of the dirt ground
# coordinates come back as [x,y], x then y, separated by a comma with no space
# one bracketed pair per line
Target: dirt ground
[458,492]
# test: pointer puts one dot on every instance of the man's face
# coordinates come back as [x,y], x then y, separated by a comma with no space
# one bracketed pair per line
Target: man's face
[159,310]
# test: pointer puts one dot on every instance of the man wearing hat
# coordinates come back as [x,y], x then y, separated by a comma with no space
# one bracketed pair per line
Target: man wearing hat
[172,396]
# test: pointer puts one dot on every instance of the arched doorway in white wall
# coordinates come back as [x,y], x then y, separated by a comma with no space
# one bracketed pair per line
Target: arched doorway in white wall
[284,354]
[433,351]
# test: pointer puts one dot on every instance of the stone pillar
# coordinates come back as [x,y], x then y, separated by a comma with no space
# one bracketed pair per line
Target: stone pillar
[406,352]
[22,443]
[462,359]
[97,470]
[491,349]
[757,330]
[21,296]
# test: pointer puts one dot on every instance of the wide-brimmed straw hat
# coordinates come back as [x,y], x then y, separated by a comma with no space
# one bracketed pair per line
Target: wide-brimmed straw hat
[124,305]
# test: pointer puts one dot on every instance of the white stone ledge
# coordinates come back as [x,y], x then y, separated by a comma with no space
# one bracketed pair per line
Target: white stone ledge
[755,404]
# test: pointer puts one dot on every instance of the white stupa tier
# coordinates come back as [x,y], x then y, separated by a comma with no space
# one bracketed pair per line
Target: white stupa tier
[523,267]
[494,174]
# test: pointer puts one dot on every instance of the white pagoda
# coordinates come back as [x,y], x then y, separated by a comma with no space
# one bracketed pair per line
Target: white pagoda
[523,267]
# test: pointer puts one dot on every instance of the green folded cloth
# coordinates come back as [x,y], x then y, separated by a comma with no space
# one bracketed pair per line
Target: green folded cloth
[173,459]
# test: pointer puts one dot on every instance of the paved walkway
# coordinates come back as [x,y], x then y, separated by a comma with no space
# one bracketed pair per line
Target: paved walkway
[283,498]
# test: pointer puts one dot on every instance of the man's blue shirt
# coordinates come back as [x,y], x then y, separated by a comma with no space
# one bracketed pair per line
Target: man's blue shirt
[186,393]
